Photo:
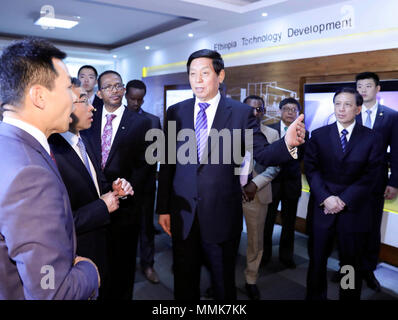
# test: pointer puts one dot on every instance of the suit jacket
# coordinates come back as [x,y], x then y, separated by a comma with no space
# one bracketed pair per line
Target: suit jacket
[350,175]
[212,191]
[263,176]
[150,183]
[288,181]
[126,158]
[386,123]
[90,213]
[97,102]
[36,225]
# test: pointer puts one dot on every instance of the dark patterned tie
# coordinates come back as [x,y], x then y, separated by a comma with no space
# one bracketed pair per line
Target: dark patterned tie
[106,139]
[343,139]
[201,128]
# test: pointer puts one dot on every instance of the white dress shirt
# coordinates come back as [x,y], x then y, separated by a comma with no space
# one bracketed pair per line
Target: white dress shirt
[115,122]
[210,111]
[372,115]
[73,139]
[33,131]
[349,129]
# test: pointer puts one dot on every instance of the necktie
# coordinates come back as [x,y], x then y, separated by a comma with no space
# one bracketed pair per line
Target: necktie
[284,131]
[52,157]
[201,128]
[368,122]
[83,152]
[343,139]
[106,139]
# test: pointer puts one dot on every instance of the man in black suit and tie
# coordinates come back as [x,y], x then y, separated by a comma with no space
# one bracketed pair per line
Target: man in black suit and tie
[200,202]
[383,120]
[286,188]
[341,163]
[82,178]
[135,93]
[117,138]
[88,76]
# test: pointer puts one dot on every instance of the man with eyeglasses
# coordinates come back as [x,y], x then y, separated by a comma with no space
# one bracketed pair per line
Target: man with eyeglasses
[82,178]
[117,137]
[286,188]
[257,195]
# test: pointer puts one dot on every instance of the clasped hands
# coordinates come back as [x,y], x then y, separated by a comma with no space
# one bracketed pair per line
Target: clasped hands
[121,188]
[333,205]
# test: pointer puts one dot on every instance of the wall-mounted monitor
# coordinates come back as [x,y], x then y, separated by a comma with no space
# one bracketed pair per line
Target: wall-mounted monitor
[318,100]
[176,93]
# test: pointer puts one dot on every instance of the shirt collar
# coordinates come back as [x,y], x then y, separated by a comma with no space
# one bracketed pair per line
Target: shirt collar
[213,102]
[118,112]
[349,128]
[283,125]
[32,130]
[373,109]
[71,138]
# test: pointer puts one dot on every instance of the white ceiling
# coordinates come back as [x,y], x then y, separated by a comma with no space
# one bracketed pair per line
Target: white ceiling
[113,24]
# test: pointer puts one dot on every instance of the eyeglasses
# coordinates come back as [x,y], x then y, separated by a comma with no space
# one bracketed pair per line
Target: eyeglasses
[84,100]
[118,87]
[292,110]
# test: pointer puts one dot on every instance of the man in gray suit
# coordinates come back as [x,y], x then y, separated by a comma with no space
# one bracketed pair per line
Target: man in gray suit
[37,236]
[257,195]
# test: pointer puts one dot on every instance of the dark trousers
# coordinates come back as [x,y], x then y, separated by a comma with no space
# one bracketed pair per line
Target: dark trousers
[373,238]
[122,260]
[288,215]
[191,253]
[147,232]
[320,245]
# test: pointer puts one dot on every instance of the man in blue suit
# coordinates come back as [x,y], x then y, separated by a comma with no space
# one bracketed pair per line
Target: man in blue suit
[91,207]
[200,202]
[383,120]
[37,236]
[341,162]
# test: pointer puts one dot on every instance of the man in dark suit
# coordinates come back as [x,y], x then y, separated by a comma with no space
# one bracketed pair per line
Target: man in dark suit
[341,163]
[82,179]
[37,236]
[88,76]
[286,188]
[135,93]
[117,138]
[383,120]
[200,202]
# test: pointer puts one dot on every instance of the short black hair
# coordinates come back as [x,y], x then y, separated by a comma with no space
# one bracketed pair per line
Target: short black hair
[88,67]
[290,100]
[218,62]
[25,63]
[76,82]
[358,97]
[137,84]
[105,73]
[368,75]
[254,97]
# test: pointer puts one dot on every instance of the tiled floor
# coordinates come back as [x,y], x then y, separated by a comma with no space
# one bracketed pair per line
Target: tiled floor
[275,281]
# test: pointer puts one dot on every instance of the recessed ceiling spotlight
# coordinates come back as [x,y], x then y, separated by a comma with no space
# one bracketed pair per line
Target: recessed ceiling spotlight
[264,14]
[147,47]
[190,35]
[114,56]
